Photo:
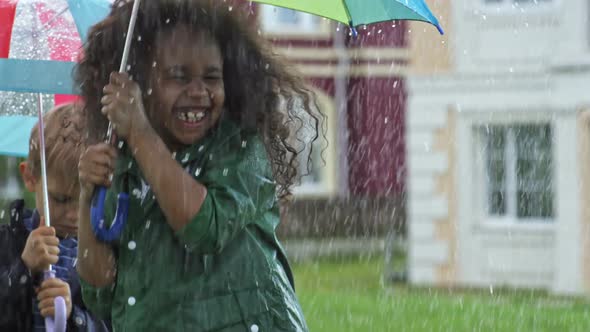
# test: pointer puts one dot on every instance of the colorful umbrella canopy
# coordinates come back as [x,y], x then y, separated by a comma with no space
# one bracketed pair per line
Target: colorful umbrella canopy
[40,41]
[359,12]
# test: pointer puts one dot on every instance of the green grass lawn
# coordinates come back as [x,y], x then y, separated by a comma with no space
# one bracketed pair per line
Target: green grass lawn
[351,296]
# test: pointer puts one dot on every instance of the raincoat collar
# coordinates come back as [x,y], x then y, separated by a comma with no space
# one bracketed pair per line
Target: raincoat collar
[186,157]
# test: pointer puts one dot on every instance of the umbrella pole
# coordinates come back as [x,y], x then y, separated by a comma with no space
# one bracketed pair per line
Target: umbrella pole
[43,160]
[123,66]
[58,322]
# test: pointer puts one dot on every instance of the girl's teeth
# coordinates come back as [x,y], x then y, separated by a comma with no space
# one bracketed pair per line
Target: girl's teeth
[191,116]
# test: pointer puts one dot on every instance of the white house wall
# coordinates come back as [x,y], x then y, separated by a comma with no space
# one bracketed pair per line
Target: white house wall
[522,256]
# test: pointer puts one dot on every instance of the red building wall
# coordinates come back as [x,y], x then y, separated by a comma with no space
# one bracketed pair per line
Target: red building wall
[376,117]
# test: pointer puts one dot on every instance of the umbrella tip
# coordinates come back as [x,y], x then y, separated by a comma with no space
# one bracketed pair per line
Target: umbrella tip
[440,30]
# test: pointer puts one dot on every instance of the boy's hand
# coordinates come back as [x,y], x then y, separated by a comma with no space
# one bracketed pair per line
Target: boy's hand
[41,249]
[96,167]
[49,290]
[123,104]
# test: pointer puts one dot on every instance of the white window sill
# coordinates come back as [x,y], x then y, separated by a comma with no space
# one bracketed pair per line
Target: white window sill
[312,190]
[532,225]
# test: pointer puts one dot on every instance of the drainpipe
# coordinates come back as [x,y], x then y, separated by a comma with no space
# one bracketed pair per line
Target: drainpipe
[341,99]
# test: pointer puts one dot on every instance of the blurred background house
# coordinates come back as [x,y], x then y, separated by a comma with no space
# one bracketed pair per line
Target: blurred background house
[498,146]
[357,190]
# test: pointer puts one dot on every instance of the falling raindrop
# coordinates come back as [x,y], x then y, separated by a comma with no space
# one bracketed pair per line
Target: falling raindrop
[149,91]
[230,8]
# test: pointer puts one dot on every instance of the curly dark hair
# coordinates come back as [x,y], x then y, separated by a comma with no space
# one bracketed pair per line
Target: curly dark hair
[262,93]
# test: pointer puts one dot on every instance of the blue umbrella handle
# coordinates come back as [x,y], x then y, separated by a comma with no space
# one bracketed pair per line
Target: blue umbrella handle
[101,232]
[59,321]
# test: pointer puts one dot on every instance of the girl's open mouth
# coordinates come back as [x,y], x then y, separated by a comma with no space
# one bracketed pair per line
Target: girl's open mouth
[191,116]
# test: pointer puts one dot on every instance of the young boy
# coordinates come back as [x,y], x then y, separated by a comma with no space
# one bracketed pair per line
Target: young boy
[28,247]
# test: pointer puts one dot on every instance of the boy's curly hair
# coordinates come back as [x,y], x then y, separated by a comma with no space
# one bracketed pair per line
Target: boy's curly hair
[261,92]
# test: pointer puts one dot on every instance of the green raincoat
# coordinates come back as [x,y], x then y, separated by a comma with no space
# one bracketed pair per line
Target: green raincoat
[225,270]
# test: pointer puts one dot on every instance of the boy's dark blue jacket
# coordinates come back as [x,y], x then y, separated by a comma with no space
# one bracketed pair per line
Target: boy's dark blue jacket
[17,284]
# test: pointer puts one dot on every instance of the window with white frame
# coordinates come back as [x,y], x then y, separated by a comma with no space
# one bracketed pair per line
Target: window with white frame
[282,20]
[517,170]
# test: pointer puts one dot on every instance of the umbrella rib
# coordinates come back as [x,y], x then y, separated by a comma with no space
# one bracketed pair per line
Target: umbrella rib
[46,25]
[347,13]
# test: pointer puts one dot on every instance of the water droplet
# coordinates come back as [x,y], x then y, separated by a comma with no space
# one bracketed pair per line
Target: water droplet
[2,214]
[132,245]
[131,301]
[386,120]
[138,38]
[147,224]
[186,157]
[149,91]
[244,143]
[128,68]
[167,20]
[198,171]
[154,64]
[121,144]
[225,171]
[230,8]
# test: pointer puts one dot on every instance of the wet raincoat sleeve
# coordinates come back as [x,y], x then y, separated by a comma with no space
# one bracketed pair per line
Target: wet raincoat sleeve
[15,283]
[98,300]
[239,190]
